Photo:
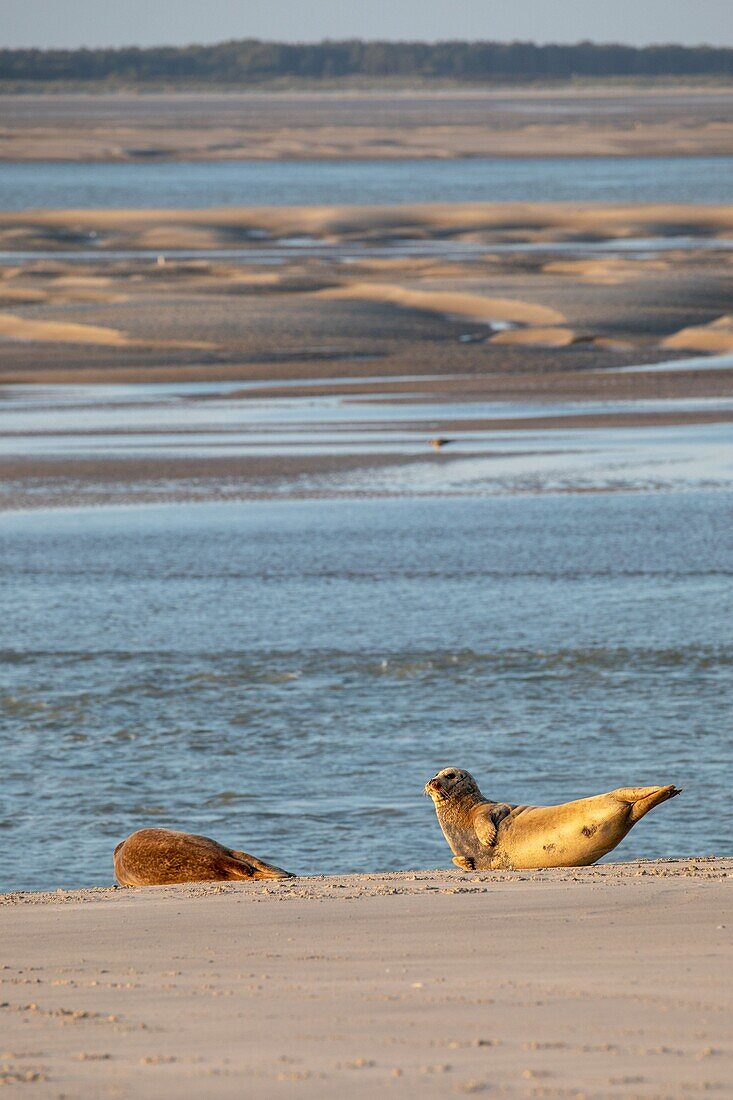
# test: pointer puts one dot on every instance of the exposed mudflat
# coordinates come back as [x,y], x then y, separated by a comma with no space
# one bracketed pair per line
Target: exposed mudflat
[301,351]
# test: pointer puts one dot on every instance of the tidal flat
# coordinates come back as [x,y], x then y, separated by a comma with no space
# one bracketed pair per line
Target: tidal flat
[224,354]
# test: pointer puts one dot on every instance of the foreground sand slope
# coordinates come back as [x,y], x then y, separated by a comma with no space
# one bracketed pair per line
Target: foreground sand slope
[603,981]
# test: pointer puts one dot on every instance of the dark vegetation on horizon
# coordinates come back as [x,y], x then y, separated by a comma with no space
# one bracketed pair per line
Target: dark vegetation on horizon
[250,61]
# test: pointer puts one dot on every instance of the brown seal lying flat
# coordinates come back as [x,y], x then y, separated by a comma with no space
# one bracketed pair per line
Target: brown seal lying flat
[485,835]
[156,857]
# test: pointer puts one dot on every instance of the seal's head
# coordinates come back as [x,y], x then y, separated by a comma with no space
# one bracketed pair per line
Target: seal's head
[452,783]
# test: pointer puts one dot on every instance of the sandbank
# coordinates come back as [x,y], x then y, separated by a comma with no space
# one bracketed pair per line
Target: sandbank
[364,320]
[353,124]
[715,337]
[241,227]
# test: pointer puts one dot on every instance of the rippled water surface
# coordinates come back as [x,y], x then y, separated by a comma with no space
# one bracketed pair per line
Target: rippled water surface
[286,675]
[483,179]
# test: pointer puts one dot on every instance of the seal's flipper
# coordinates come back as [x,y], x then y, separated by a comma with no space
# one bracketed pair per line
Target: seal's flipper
[485,829]
[643,799]
[251,867]
[465,863]
[644,805]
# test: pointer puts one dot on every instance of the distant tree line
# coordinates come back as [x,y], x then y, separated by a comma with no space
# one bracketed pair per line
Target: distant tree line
[250,62]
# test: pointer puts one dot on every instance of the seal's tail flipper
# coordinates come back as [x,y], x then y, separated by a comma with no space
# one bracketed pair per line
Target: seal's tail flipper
[251,867]
[643,799]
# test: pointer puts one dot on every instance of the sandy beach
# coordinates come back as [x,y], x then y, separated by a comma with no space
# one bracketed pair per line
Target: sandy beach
[341,124]
[598,982]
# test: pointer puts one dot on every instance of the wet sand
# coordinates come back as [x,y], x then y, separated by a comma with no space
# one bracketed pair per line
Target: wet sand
[434,225]
[494,283]
[507,303]
[587,120]
[605,981]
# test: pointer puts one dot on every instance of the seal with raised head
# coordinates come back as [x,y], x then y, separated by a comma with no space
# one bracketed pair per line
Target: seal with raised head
[485,835]
[158,857]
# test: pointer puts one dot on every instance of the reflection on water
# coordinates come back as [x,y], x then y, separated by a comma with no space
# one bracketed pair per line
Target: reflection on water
[286,675]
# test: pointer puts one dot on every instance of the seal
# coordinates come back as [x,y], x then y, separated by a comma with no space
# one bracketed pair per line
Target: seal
[485,835]
[157,857]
